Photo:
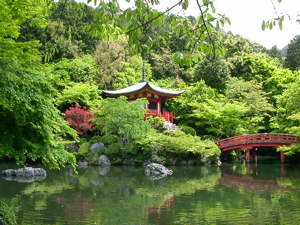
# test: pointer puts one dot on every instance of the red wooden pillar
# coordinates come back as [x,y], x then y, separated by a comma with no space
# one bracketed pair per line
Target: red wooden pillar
[282,157]
[157,109]
[171,117]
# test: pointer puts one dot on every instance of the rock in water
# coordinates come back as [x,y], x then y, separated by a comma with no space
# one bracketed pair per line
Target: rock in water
[157,171]
[27,174]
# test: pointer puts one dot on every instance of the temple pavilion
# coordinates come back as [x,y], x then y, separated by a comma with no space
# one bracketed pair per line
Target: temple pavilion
[154,94]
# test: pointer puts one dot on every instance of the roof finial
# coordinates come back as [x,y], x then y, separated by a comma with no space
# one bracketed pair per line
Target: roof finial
[144,72]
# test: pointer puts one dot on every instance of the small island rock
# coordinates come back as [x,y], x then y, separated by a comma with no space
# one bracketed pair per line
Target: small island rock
[157,171]
[25,172]
[24,175]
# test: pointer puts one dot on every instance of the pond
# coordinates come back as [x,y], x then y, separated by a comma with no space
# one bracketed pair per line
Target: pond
[226,194]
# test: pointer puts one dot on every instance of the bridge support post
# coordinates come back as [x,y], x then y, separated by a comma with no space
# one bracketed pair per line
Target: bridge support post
[282,157]
[255,154]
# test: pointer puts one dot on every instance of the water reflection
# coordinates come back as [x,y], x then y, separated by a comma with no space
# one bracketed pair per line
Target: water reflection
[229,194]
[257,177]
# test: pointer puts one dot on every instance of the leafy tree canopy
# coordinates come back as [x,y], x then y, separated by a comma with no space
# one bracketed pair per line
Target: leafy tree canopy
[134,23]
[79,93]
[12,15]
[214,71]
[31,126]
[292,60]
[120,117]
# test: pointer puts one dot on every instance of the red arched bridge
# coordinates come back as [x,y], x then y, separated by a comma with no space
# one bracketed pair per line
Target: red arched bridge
[251,142]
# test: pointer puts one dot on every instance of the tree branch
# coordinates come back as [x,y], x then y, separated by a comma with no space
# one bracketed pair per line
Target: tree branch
[205,25]
[154,18]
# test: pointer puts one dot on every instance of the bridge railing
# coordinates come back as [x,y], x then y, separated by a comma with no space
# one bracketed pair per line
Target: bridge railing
[257,138]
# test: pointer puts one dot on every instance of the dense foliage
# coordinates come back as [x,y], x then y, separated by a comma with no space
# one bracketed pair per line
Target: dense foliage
[57,54]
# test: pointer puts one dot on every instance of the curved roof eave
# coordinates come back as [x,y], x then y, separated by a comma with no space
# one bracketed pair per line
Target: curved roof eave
[140,86]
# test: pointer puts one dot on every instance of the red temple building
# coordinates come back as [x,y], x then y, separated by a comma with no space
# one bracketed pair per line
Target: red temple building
[154,94]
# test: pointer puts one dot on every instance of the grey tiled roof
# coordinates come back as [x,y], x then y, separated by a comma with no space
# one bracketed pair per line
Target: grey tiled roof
[140,86]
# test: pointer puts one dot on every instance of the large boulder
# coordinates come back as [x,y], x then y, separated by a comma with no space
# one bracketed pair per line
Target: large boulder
[103,160]
[157,171]
[96,146]
[27,174]
[82,164]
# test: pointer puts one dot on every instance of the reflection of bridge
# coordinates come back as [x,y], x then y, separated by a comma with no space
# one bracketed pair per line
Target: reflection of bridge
[251,142]
[255,179]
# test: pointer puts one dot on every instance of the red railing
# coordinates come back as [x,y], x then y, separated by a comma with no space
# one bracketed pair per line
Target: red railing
[168,116]
[257,138]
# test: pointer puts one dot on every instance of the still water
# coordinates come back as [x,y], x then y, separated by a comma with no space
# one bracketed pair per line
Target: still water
[228,194]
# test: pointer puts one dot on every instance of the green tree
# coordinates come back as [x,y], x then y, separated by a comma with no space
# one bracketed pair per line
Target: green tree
[131,72]
[222,120]
[184,105]
[120,117]
[163,65]
[274,52]
[256,66]
[292,60]
[65,71]
[109,56]
[135,21]
[214,71]
[237,46]
[279,81]
[79,93]
[12,15]
[75,17]
[250,94]
[31,128]
[287,117]
[64,35]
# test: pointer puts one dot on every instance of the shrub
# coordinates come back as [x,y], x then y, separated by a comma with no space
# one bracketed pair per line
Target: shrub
[157,123]
[131,148]
[79,119]
[83,151]
[84,148]
[177,143]
[188,130]
[95,139]
[109,139]
[113,148]
[174,133]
